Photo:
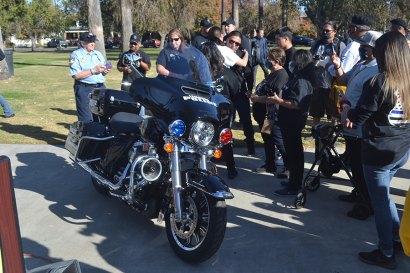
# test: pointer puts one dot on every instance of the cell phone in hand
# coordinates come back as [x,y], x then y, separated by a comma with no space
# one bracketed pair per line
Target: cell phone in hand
[108,65]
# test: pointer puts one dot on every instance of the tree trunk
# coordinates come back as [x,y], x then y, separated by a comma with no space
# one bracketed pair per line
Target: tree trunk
[223,11]
[1,40]
[235,12]
[126,14]
[162,34]
[260,13]
[4,69]
[95,24]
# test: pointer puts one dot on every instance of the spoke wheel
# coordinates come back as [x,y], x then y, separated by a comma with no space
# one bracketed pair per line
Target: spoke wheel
[200,233]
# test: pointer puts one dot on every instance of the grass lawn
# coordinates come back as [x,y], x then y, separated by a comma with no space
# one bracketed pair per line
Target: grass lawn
[41,94]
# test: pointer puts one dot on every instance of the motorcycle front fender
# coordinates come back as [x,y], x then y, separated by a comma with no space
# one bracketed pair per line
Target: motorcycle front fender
[208,183]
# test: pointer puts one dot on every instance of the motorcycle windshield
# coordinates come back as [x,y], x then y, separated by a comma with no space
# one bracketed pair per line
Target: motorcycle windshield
[187,63]
[188,96]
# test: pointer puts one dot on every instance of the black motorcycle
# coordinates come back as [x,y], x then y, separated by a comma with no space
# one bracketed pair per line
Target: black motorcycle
[159,164]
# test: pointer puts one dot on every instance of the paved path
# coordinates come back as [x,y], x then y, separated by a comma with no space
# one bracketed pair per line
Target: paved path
[62,217]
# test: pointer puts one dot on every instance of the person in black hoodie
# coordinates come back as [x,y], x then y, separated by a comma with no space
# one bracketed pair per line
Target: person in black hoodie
[383,112]
[292,117]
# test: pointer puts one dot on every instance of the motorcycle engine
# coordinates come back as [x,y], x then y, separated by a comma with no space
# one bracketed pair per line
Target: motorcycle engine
[149,168]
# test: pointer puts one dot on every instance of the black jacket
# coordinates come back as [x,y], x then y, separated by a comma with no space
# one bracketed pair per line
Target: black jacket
[383,143]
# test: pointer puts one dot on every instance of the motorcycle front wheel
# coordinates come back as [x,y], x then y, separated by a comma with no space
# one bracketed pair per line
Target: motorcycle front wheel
[200,233]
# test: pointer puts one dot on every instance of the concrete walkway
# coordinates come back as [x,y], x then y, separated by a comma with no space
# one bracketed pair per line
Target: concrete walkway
[62,217]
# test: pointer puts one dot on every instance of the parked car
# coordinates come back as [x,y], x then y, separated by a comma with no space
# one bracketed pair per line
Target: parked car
[271,43]
[151,43]
[302,41]
[57,43]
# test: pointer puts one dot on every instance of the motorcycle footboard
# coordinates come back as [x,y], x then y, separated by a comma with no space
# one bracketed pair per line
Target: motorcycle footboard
[208,183]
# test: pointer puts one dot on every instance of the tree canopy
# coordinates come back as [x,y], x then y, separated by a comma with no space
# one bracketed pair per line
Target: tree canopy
[40,18]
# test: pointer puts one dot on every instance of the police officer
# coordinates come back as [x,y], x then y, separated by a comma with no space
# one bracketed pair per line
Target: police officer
[132,73]
[88,67]
[202,37]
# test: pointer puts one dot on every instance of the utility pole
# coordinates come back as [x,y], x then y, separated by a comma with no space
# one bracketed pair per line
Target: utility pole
[284,13]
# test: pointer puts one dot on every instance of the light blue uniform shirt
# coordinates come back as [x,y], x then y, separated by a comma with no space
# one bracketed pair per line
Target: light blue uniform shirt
[81,60]
[356,78]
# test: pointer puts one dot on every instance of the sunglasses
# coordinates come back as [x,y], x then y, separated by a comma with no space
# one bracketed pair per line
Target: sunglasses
[133,43]
[234,43]
[174,39]
[327,30]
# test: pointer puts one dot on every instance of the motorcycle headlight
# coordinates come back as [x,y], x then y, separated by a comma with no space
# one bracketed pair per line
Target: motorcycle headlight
[202,133]
[177,128]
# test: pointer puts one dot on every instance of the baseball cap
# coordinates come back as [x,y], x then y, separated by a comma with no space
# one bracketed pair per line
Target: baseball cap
[369,39]
[399,22]
[135,38]
[206,23]
[88,37]
[361,22]
[229,21]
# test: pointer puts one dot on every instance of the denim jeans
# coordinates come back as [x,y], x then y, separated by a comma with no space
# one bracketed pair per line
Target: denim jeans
[387,220]
[6,107]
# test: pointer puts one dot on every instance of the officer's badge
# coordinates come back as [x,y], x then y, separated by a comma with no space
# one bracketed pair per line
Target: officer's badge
[71,61]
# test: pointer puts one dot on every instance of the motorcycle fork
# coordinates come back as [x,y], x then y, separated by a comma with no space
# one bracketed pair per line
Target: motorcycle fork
[202,162]
[176,181]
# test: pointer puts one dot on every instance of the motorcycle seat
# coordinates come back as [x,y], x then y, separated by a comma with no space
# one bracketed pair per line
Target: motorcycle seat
[123,122]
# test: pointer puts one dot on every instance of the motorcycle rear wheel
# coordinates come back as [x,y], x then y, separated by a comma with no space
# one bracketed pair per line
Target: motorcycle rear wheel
[202,229]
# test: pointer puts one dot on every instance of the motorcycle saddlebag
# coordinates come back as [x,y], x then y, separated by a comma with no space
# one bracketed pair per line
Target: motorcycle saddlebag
[87,148]
[107,102]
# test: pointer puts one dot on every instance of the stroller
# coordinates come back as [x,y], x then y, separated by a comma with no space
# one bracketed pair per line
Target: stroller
[329,160]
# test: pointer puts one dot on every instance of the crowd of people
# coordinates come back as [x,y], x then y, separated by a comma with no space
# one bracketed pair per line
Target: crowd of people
[374,67]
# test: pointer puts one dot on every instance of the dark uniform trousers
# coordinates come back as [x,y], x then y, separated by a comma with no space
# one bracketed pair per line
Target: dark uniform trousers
[82,98]
[269,141]
[354,152]
[292,139]
[243,107]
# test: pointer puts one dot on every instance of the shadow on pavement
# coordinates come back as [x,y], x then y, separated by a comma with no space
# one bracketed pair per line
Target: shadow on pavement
[263,235]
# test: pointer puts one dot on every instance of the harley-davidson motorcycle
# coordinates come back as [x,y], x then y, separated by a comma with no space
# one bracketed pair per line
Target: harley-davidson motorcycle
[159,164]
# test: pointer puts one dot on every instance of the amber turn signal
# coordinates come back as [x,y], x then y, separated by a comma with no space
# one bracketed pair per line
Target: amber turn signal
[168,147]
[217,154]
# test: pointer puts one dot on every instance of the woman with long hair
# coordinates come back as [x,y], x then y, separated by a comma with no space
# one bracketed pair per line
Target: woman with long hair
[383,111]
[170,58]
